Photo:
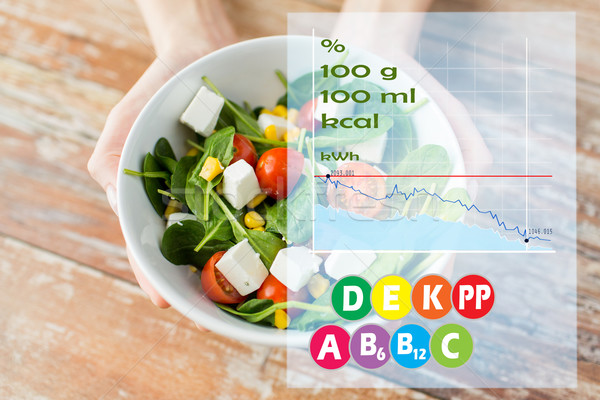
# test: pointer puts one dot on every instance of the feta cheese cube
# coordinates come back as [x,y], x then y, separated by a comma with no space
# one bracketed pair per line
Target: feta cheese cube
[294,266]
[242,267]
[281,124]
[333,109]
[240,184]
[203,112]
[179,217]
[371,150]
[342,263]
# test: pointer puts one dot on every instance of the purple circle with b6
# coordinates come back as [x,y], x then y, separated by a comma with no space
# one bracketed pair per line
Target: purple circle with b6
[369,346]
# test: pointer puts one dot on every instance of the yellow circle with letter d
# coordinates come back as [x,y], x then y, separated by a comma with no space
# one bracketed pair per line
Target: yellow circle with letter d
[390,297]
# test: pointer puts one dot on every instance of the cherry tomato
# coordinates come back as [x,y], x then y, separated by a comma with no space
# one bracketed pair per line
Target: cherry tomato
[214,284]
[278,170]
[307,114]
[272,289]
[243,150]
[348,199]
[276,291]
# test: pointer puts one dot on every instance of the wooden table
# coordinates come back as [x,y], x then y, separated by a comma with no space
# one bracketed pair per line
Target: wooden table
[74,324]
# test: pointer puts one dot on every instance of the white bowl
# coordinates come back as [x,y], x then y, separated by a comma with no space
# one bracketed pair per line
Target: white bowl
[244,71]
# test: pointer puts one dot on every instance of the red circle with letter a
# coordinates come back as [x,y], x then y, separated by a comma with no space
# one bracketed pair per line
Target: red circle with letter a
[329,347]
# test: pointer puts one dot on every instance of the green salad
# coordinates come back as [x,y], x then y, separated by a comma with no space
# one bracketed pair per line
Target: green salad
[226,201]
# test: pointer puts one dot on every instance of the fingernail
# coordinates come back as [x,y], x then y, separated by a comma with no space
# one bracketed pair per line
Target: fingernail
[200,327]
[111,195]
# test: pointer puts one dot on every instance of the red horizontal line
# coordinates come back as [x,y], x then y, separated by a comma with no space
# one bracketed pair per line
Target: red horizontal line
[435,176]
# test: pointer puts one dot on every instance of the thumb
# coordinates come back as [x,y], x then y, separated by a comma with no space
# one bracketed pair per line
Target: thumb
[104,162]
[103,165]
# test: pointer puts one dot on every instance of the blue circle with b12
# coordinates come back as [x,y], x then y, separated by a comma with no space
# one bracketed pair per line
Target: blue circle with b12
[409,346]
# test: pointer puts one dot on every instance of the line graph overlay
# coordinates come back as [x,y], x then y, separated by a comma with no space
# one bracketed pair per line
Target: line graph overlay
[432,176]
[396,191]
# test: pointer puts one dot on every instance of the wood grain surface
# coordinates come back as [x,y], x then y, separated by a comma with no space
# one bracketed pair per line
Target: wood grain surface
[73,322]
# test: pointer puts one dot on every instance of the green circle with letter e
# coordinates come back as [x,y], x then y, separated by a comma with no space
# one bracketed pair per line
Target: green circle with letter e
[351,298]
[451,345]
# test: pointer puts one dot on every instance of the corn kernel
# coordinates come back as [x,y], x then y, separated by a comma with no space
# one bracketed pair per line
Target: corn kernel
[271,132]
[317,285]
[211,168]
[219,188]
[292,115]
[253,219]
[173,207]
[266,111]
[292,135]
[280,111]
[260,228]
[282,320]
[257,200]
[192,152]
[193,269]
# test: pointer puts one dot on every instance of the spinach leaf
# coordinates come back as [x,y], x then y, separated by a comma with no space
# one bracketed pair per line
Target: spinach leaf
[453,211]
[254,306]
[282,100]
[430,159]
[244,123]
[220,146]
[163,152]
[257,311]
[225,119]
[282,78]
[257,110]
[194,196]
[301,90]
[156,174]
[330,137]
[152,185]
[276,217]
[266,244]
[375,104]
[291,217]
[180,239]
[401,132]
[215,229]
[180,177]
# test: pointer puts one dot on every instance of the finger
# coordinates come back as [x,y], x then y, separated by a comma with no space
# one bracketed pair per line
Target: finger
[104,162]
[145,285]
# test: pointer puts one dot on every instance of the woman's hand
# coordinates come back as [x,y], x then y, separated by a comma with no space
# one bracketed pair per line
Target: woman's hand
[180,35]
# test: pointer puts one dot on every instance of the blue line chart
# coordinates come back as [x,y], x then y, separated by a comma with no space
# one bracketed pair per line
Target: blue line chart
[396,191]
